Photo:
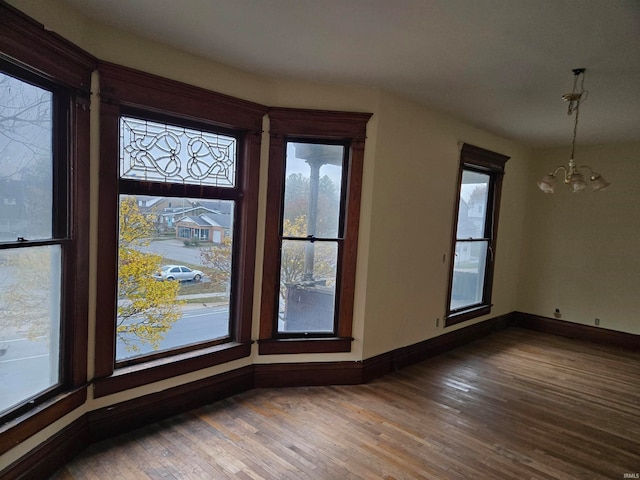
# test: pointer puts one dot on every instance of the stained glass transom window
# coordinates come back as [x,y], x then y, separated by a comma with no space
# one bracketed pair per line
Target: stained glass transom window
[158,152]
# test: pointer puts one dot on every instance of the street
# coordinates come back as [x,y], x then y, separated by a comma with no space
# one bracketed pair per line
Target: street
[25,364]
[24,369]
[196,325]
[173,251]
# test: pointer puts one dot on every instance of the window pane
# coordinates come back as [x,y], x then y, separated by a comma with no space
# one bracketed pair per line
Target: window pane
[29,322]
[174,273]
[312,190]
[307,286]
[468,274]
[165,153]
[26,173]
[472,213]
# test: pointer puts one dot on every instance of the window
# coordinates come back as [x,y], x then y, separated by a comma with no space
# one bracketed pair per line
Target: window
[178,202]
[315,174]
[162,306]
[310,238]
[43,212]
[474,240]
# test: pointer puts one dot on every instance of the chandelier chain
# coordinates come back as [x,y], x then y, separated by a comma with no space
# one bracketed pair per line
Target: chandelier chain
[575,130]
[575,98]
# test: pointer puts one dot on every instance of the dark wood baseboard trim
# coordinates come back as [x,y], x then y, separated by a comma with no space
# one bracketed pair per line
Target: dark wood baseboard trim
[289,346]
[307,374]
[577,331]
[53,453]
[110,421]
[115,419]
[402,357]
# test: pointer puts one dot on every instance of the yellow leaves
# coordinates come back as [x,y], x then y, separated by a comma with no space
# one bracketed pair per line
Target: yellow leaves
[147,308]
[219,259]
[295,228]
[135,228]
[292,263]
[29,291]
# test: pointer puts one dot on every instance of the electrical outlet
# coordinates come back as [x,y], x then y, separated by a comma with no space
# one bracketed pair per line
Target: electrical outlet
[438,322]
[557,313]
[597,321]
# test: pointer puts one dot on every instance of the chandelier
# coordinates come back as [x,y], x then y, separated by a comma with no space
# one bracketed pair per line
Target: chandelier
[573,178]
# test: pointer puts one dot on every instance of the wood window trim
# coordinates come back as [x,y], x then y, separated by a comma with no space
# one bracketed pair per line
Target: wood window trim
[313,125]
[44,414]
[492,163]
[28,45]
[123,88]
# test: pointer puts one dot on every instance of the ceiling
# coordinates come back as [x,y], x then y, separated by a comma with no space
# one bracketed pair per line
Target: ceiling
[502,65]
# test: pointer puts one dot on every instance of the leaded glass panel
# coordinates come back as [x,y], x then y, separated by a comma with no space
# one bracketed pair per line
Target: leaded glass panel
[158,152]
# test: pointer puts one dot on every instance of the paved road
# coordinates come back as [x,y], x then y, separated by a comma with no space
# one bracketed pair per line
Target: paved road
[25,364]
[197,324]
[24,370]
[173,251]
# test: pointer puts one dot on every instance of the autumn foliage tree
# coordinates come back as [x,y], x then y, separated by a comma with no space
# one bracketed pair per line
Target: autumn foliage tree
[26,294]
[297,200]
[292,264]
[218,256]
[30,281]
[147,308]
[218,259]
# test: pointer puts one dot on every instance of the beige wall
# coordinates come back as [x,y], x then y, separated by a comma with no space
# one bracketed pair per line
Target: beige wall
[416,166]
[574,253]
[581,249]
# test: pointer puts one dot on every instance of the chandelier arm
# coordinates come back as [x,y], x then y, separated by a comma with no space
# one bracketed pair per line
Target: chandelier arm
[593,175]
[564,169]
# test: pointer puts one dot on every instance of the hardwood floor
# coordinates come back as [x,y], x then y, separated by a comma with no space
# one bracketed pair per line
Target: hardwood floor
[515,405]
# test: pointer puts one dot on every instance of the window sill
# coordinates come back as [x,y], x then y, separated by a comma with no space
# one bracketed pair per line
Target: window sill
[19,429]
[459,317]
[167,367]
[304,345]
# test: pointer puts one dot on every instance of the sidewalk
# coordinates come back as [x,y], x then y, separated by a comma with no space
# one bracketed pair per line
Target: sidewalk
[202,295]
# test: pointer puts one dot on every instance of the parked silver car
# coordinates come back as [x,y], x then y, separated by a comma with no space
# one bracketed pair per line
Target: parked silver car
[178,272]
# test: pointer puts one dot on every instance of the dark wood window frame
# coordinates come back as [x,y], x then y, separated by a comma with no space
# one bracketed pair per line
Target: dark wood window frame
[346,128]
[66,70]
[478,159]
[123,90]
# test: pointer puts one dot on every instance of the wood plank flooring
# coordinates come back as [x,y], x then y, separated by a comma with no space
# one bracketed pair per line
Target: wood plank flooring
[515,405]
